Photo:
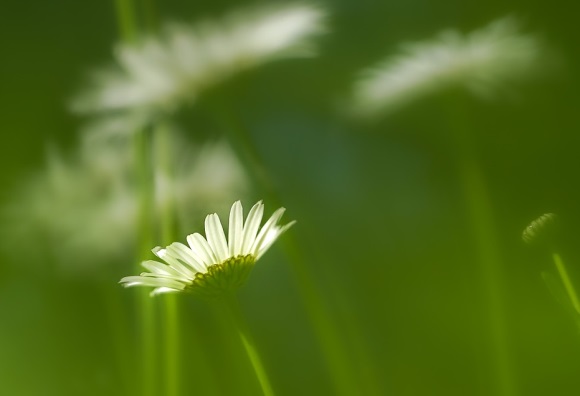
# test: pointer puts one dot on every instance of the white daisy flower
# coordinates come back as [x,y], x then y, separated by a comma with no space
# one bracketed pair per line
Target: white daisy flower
[212,265]
[481,61]
[159,72]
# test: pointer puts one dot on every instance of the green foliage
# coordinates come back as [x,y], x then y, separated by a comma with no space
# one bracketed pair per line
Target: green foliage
[383,230]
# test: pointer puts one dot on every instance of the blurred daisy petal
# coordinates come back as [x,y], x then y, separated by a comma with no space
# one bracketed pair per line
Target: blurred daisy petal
[161,72]
[482,61]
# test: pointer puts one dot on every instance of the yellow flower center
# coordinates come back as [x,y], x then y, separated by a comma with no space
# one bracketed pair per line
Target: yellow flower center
[222,278]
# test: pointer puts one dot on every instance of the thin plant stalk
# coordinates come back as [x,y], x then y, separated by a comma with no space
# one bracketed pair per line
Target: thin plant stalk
[117,321]
[242,328]
[147,312]
[170,323]
[127,22]
[366,369]
[480,214]
[147,342]
[172,342]
[334,350]
[150,15]
[566,281]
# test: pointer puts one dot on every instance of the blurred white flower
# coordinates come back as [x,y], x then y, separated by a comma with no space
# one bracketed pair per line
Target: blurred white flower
[158,73]
[211,177]
[112,126]
[212,265]
[86,208]
[482,61]
[75,206]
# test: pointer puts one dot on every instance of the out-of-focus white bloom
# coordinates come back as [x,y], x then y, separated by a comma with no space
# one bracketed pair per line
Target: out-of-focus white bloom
[196,178]
[212,265]
[114,126]
[82,209]
[482,61]
[201,181]
[86,207]
[158,73]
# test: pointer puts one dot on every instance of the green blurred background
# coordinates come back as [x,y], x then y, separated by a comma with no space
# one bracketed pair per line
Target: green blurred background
[382,219]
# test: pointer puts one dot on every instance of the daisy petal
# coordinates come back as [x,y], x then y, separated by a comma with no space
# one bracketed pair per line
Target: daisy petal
[173,262]
[266,229]
[216,237]
[235,229]
[251,227]
[129,281]
[158,268]
[162,290]
[185,254]
[271,237]
[199,245]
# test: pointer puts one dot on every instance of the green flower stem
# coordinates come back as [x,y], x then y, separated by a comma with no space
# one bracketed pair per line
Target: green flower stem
[248,155]
[150,15]
[333,346]
[119,329]
[164,176]
[248,343]
[367,371]
[334,350]
[481,217]
[126,20]
[147,313]
[566,281]
[172,343]
[480,214]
